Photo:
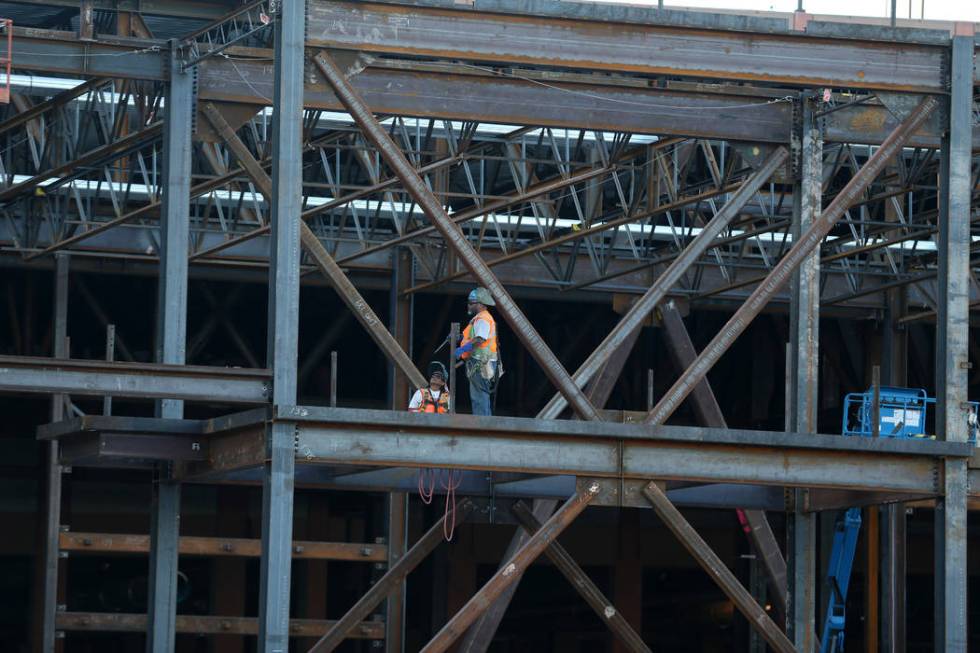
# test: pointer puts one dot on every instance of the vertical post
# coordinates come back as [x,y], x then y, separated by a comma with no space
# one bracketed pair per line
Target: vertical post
[53,477]
[453,343]
[875,401]
[402,312]
[804,366]
[649,390]
[952,332]
[333,379]
[110,355]
[287,191]
[171,346]
[893,521]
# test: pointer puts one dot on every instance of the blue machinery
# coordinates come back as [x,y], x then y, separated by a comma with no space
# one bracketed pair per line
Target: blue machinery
[901,414]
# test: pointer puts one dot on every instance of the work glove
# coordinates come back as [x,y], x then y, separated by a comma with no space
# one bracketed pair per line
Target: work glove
[468,347]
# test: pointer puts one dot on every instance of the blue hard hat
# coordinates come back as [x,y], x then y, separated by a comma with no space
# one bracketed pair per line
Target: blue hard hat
[480,296]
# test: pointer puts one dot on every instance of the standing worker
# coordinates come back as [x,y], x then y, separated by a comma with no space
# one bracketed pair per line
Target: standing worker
[479,349]
[435,398]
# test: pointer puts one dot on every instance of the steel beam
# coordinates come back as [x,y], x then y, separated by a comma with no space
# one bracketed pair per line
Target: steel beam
[136,380]
[389,582]
[952,351]
[549,34]
[803,367]
[555,447]
[780,274]
[453,236]
[325,263]
[171,348]
[512,570]
[719,572]
[46,638]
[286,198]
[674,272]
[480,634]
[564,562]
[709,414]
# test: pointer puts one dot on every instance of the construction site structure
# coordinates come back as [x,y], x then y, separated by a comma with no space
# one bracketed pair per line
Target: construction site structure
[700,230]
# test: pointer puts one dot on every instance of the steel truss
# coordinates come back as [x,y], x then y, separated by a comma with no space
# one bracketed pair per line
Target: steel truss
[620,186]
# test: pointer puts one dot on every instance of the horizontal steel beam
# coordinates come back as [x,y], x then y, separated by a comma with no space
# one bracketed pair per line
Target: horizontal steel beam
[206,625]
[103,543]
[366,437]
[545,35]
[139,380]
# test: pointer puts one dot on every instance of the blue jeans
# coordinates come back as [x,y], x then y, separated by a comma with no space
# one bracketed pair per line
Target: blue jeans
[479,395]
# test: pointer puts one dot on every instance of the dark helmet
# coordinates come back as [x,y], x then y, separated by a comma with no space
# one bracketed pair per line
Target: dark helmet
[438,369]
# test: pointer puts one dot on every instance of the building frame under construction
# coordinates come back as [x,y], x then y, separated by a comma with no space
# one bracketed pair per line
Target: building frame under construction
[667,161]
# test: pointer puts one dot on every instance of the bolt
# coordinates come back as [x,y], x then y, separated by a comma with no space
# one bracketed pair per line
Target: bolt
[299,548]
[366,551]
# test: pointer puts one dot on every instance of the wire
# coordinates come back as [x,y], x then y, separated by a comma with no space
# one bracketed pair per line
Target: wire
[152,48]
[454,480]
[786,98]
[426,490]
[245,79]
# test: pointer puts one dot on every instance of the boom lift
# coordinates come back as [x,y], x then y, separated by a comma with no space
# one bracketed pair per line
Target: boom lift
[901,414]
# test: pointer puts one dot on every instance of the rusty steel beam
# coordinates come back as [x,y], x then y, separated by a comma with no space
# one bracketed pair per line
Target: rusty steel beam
[345,289]
[709,413]
[674,272]
[564,562]
[205,625]
[453,236]
[719,572]
[554,35]
[390,581]
[780,274]
[510,572]
[218,546]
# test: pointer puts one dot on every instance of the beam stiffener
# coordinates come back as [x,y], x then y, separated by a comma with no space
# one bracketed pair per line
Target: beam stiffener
[721,574]
[952,351]
[390,582]
[453,236]
[171,348]
[592,595]
[709,413]
[674,272]
[512,570]
[286,201]
[780,274]
[326,263]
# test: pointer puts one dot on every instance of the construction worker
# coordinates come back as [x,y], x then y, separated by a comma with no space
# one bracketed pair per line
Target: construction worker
[478,348]
[435,398]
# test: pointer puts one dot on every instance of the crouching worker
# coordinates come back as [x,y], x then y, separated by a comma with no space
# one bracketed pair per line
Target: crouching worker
[435,398]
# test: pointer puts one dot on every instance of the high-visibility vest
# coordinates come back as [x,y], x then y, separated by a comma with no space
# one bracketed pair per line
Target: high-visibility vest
[432,405]
[490,343]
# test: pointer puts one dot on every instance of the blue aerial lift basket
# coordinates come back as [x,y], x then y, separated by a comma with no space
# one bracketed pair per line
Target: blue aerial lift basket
[901,414]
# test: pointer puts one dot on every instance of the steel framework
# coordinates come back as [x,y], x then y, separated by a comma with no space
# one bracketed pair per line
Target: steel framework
[432,144]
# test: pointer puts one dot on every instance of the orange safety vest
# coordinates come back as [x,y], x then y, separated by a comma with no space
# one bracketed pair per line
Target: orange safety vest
[431,405]
[490,342]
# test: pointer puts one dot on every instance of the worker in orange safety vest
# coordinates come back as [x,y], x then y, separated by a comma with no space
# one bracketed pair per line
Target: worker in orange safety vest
[435,398]
[478,348]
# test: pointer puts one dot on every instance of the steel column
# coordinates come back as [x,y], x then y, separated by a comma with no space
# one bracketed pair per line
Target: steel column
[510,572]
[53,475]
[283,331]
[582,583]
[171,347]
[674,272]
[390,581]
[717,569]
[803,366]
[780,274]
[952,353]
[453,236]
